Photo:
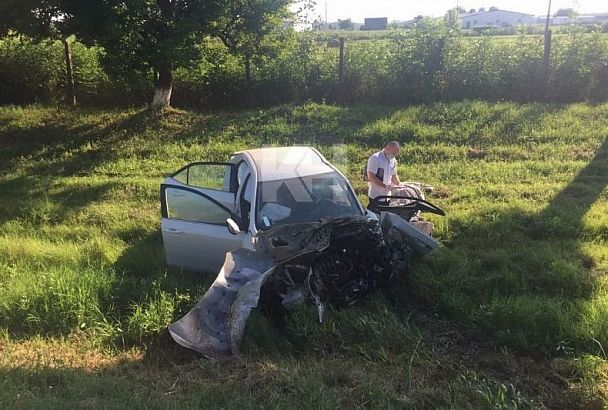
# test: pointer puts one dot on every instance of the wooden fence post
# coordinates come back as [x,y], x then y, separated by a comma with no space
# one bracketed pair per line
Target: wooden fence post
[547,55]
[341,67]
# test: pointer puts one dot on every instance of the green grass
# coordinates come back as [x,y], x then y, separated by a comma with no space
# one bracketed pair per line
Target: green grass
[512,311]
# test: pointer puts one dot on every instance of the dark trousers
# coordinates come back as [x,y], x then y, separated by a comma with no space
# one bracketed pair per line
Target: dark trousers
[373,205]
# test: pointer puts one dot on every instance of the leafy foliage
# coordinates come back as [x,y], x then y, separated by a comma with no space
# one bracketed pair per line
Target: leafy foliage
[429,63]
[140,35]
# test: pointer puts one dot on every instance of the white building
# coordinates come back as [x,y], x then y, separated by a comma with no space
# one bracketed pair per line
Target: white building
[496,18]
[600,18]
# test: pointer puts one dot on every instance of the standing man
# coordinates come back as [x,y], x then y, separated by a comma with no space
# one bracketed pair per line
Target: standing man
[382,172]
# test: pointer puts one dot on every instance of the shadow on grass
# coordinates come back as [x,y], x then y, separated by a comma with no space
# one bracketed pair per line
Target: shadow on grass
[37,199]
[525,277]
[65,146]
[61,147]
[504,123]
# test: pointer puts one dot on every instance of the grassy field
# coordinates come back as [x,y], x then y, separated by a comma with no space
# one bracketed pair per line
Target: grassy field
[512,311]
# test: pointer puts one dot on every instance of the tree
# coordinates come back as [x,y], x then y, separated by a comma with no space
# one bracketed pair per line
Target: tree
[41,19]
[472,11]
[482,9]
[452,21]
[494,8]
[568,12]
[244,25]
[346,24]
[145,35]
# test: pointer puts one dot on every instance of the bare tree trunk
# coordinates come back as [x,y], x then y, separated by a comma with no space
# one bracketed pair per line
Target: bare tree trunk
[69,71]
[163,88]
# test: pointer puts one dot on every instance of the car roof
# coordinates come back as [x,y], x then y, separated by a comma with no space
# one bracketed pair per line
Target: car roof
[278,163]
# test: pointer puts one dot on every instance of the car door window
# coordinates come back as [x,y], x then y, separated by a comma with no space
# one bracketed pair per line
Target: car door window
[189,205]
[209,175]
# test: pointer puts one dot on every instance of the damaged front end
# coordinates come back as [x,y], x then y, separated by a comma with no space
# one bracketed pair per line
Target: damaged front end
[336,261]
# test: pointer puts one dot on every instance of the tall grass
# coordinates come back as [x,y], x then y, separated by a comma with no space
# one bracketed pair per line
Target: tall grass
[523,260]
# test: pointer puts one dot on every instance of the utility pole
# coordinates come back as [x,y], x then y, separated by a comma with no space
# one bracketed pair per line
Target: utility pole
[326,22]
[548,18]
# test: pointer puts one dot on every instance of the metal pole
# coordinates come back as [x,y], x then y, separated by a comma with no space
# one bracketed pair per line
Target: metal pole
[548,17]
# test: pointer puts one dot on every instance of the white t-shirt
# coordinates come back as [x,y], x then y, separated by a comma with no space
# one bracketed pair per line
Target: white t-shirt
[384,169]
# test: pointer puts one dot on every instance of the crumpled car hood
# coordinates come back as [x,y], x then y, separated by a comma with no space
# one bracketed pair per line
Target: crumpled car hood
[215,326]
[218,321]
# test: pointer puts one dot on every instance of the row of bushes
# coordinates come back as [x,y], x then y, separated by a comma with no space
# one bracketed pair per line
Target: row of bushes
[428,63]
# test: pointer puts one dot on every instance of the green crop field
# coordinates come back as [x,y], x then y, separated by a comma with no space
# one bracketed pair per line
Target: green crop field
[511,312]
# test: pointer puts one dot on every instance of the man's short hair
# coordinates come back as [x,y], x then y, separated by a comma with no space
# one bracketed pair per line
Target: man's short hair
[392,144]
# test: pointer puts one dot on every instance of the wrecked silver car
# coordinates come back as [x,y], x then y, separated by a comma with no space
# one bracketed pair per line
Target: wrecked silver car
[289,230]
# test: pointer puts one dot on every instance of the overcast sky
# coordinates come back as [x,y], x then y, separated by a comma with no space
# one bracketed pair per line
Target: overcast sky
[408,9]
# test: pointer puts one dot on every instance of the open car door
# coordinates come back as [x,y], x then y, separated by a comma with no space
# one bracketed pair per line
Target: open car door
[196,201]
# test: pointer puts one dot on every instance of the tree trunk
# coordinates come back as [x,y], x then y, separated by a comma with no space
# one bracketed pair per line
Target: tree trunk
[163,88]
[69,71]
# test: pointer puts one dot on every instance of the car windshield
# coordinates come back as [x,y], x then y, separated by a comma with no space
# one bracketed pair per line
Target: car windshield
[304,199]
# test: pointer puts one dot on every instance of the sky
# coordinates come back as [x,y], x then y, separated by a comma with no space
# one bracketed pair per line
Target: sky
[357,10]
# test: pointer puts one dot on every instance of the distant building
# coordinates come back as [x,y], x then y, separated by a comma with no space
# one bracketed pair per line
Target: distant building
[376,23]
[600,18]
[559,20]
[496,18]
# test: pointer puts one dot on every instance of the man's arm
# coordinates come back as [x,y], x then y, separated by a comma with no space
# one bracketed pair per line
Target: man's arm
[374,179]
[395,178]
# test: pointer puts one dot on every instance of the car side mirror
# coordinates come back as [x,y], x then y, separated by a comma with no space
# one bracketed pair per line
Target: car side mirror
[233,227]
